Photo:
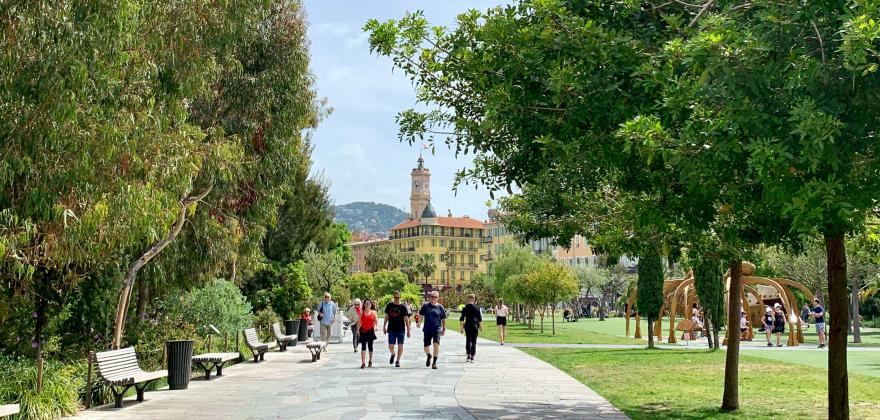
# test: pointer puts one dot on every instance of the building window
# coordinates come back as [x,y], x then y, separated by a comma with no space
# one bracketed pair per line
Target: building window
[442,276]
[433,242]
[462,275]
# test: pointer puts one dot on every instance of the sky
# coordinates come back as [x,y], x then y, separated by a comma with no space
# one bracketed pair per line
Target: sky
[356,147]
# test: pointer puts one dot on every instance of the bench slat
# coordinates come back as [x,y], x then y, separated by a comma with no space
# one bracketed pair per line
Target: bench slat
[9,409]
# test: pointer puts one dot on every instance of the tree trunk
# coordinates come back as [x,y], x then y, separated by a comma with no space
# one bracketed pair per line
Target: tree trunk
[708,327]
[553,318]
[716,328]
[136,265]
[143,299]
[602,308]
[856,327]
[650,332]
[838,307]
[544,309]
[730,400]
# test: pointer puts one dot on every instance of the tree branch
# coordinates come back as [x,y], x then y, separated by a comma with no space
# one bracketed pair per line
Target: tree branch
[821,43]
[702,11]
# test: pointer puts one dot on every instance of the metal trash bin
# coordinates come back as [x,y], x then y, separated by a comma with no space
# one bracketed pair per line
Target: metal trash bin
[303,331]
[291,327]
[179,363]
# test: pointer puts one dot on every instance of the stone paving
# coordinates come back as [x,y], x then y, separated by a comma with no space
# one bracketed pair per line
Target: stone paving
[503,383]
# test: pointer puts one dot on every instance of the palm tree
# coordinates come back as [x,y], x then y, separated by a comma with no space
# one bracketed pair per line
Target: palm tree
[384,257]
[425,265]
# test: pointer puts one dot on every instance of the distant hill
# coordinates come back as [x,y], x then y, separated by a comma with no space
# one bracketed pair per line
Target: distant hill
[369,217]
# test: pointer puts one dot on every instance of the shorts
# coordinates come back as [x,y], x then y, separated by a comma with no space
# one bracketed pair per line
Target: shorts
[367,336]
[501,320]
[395,338]
[820,327]
[431,337]
[779,328]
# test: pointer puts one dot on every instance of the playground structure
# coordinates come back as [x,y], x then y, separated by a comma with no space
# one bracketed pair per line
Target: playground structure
[679,295]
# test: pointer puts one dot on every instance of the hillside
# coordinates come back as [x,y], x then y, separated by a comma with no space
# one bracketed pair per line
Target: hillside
[369,217]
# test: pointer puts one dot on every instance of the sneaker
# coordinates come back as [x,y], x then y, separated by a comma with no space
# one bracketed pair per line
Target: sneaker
[371,364]
[397,364]
[821,346]
[391,362]
[363,365]
[769,344]
[779,345]
[428,360]
[434,365]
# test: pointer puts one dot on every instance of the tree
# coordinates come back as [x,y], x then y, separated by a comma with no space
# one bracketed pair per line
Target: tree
[323,268]
[383,257]
[548,285]
[386,282]
[305,216]
[292,291]
[409,267]
[361,285]
[425,265]
[650,284]
[710,290]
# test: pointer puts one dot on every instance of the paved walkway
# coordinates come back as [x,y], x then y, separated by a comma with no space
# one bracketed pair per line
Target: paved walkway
[503,383]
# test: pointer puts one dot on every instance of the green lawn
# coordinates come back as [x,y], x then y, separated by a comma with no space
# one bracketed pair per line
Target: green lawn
[867,363]
[585,331]
[688,384]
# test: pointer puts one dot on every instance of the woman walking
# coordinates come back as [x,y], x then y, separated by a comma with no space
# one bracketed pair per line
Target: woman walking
[779,324]
[501,311]
[767,320]
[354,314]
[367,332]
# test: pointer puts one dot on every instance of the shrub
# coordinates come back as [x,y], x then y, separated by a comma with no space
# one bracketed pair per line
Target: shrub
[416,300]
[266,318]
[360,285]
[219,303]
[58,398]
[291,290]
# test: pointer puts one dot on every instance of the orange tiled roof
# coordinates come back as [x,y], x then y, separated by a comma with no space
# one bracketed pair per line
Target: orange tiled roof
[459,222]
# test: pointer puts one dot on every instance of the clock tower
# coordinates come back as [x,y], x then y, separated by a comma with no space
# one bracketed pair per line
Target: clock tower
[420,194]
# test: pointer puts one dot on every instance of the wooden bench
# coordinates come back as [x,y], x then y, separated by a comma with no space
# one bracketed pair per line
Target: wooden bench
[257,347]
[120,369]
[9,409]
[316,347]
[281,338]
[209,361]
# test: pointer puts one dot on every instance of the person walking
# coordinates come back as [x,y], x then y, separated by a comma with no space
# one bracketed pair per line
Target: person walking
[367,332]
[501,311]
[326,316]
[354,314]
[818,314]
[767,321]
[471,323]
[395,324]
[778,323]
[434,326]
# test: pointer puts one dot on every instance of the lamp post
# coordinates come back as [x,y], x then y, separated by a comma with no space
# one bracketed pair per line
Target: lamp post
[445,257]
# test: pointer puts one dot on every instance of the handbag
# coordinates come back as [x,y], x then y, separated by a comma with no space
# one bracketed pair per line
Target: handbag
[321,312]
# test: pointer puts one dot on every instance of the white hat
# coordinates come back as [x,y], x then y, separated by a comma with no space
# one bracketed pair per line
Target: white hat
[768,309]
[777,306]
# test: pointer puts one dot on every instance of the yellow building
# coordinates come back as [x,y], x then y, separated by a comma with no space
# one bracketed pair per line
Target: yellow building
[456,243]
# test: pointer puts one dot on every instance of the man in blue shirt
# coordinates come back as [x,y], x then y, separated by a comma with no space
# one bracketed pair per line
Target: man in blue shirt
[326,316]
[434,326]
[819,315]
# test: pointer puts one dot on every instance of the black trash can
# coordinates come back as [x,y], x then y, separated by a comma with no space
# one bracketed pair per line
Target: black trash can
[179,363]
[291,327]
[303,331]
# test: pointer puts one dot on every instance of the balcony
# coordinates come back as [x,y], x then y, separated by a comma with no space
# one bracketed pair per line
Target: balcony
[463,250]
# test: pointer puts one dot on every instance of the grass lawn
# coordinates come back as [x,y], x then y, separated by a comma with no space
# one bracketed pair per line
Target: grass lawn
[688,384]
[585,331]
[864,362]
